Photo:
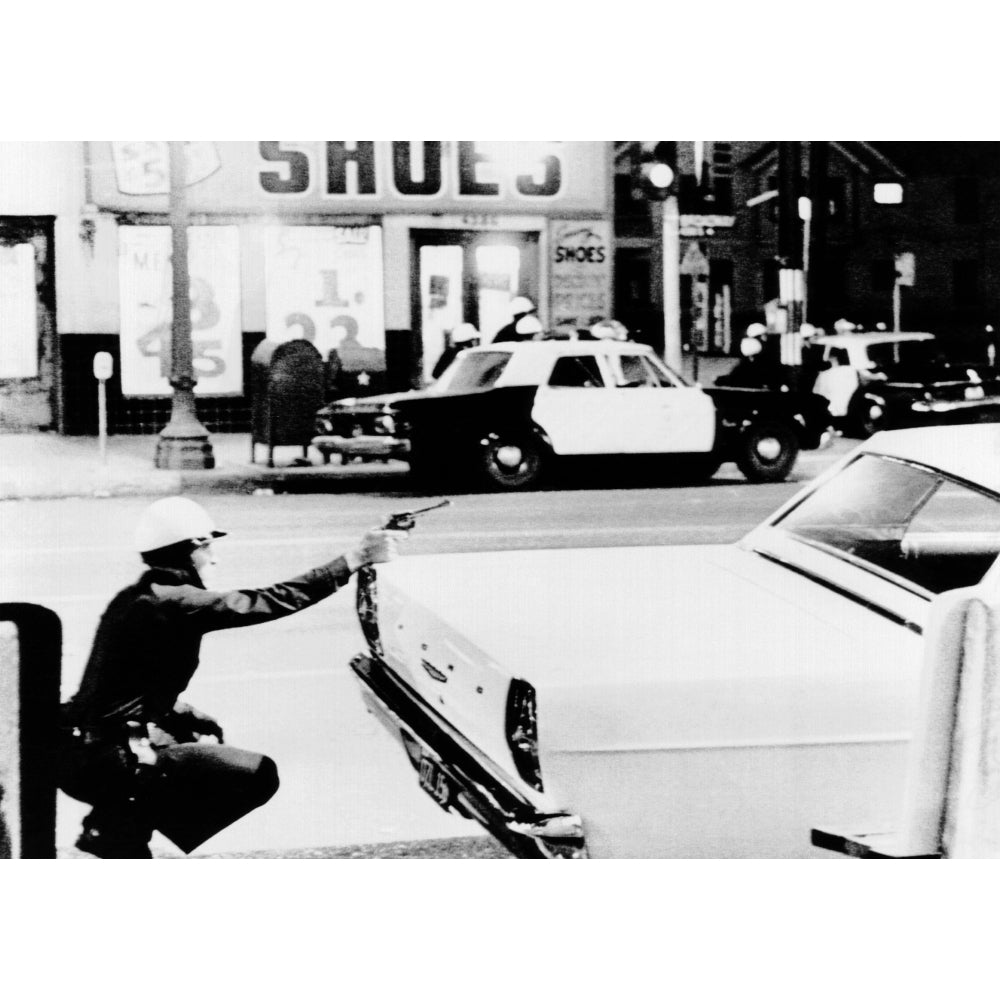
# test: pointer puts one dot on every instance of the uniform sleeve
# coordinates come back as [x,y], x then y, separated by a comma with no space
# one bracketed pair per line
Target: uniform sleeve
[211,610]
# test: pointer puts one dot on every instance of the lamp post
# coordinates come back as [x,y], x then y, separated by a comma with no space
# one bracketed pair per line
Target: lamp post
[184,442]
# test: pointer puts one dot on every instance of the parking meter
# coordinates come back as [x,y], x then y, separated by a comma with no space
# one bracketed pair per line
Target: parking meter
[104,365]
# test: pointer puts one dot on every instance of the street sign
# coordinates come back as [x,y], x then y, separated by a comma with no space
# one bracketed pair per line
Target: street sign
[906,269]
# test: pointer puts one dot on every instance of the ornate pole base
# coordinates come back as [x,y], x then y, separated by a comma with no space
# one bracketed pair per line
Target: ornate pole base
[183,452]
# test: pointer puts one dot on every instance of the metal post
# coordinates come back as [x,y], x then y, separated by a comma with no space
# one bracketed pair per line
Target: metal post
[896,306]
[790,276]
[671,257]
[102,420]
[184,442]
[818,223]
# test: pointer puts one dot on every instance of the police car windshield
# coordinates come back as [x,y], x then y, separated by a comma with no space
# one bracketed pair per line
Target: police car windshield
[473,370]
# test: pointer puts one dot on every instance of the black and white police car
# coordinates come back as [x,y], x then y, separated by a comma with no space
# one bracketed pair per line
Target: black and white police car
[507,414]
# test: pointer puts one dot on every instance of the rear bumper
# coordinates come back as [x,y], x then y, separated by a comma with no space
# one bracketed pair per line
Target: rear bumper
[962,406]
[485,792]
[367,445]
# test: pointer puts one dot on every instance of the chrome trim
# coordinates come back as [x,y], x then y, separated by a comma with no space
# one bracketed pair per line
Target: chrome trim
[486,792]
[378,445]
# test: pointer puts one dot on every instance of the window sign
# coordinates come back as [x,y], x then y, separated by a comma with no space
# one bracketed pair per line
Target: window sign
[580,273]
[147,309]
[144,167]
[18,312]
[324,284]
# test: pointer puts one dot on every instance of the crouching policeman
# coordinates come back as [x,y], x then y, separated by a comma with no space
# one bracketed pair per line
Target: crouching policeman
[143,759]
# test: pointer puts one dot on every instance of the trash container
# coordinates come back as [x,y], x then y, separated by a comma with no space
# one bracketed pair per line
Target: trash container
[287,383]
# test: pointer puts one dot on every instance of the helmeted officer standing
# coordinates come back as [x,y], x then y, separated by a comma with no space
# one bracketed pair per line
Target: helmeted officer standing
[520,306]
[464,335]
[143,759]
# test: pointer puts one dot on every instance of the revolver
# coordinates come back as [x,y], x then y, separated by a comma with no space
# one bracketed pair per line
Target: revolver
[403,521]
[406,519]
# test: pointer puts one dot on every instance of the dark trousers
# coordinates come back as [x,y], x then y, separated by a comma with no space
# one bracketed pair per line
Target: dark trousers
[192,792]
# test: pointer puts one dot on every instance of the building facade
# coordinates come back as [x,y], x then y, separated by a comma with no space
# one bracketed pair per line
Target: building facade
[374,251]
[943,231]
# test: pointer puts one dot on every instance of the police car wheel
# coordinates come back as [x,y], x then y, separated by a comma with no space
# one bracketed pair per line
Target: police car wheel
[767,451]
[512,461]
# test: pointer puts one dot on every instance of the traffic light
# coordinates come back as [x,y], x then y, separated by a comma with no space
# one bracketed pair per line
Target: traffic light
[658,167]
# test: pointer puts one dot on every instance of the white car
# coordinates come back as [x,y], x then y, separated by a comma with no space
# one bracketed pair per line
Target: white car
[694,701]
[851,360]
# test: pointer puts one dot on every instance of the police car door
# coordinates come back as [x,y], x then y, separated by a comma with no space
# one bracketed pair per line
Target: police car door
[577,408]
[656,411]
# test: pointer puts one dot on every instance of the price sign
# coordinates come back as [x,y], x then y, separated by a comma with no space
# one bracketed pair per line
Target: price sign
[324,284]
[146,309]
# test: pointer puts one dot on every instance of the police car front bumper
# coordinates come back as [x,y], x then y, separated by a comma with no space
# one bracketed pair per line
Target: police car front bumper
[364,445]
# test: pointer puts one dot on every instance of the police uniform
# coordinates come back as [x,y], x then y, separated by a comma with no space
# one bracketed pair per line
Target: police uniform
[145,652]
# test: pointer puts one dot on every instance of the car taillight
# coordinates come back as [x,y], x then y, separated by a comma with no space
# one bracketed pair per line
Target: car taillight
[367,608]
[522,732]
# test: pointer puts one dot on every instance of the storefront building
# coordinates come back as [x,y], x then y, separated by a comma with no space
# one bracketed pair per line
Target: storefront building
[373,251]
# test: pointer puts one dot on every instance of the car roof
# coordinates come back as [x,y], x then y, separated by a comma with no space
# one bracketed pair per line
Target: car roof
[875,337]
[966,451]
[559,347]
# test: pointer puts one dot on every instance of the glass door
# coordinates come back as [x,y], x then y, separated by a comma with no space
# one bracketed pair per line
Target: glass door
[468,277]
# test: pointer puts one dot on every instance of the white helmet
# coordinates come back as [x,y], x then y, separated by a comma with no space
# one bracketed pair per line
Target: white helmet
[609,329]
[463,333]
[756,330]
[520,305]
[749,346]
[172,520]
[528,326]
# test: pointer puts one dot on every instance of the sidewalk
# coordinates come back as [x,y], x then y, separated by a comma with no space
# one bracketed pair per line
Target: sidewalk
[48,465]
[40,466]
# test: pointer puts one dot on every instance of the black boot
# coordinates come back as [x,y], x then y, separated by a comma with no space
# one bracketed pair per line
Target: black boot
[115,832]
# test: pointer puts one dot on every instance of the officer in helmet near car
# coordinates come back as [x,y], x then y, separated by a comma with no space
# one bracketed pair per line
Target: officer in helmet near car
[520,306]
[143,759]
[463,336]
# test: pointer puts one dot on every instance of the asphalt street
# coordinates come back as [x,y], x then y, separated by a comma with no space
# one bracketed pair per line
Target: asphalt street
[285,688]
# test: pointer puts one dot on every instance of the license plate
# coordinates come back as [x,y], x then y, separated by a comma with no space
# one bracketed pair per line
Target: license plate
[435,782]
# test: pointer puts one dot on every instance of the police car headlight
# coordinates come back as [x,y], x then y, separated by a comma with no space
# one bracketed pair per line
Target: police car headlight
[323,426]
[385,425]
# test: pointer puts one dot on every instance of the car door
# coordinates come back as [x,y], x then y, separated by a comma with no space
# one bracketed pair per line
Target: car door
[655,412]
[577,407]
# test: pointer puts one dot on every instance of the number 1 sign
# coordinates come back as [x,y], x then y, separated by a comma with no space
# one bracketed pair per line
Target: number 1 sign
[147,310]
[324,284]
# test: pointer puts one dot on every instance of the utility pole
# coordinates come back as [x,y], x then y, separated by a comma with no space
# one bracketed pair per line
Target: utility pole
[791,291]
[184,442]
[819,197]
[671,242]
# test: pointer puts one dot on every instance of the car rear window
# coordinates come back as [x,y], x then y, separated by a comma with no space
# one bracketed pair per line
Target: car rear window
[934,532]
[474,370]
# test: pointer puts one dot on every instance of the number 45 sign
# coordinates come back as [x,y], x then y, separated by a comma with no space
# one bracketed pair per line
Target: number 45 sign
[145,282]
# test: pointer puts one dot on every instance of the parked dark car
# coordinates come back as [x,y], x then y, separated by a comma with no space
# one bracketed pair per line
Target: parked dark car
[505,414]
